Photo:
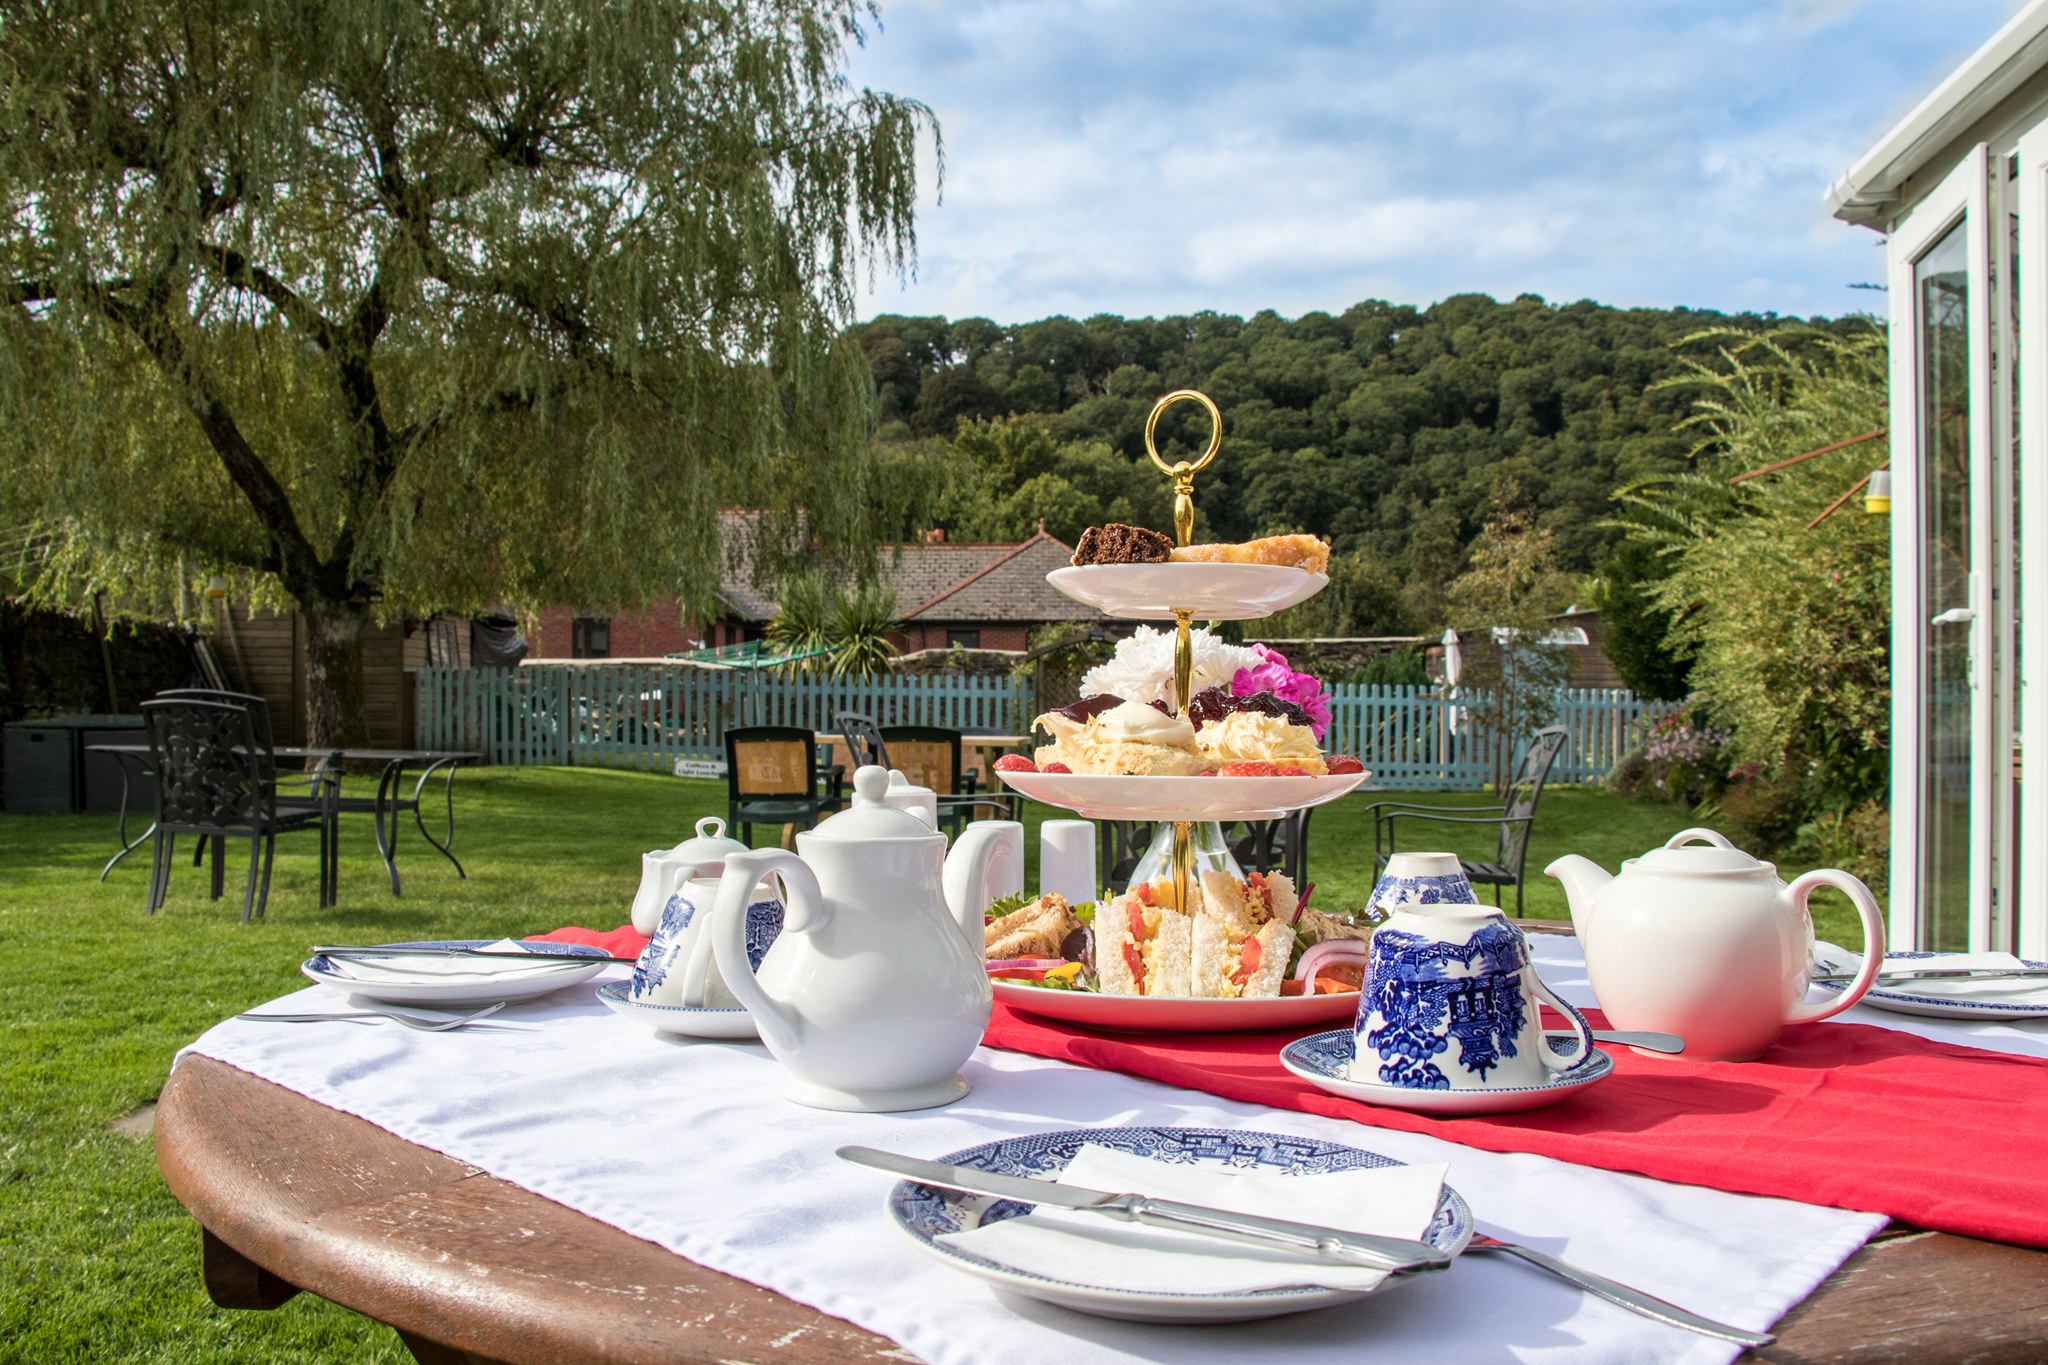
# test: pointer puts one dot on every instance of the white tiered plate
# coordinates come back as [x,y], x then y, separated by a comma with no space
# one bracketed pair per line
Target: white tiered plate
[1140,1013]
[1181,798]
[1213,592]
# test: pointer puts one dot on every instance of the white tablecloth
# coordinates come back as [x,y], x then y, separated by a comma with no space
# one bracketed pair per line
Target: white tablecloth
[687,1144]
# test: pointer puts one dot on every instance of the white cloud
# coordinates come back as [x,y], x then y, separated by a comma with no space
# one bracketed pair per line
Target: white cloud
[1123,156]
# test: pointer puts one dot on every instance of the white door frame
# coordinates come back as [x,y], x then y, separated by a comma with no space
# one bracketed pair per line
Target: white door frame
[1962,195]
[2031,906]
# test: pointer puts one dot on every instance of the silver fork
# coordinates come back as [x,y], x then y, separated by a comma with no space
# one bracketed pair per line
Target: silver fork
[1621,1295]
[412,1021]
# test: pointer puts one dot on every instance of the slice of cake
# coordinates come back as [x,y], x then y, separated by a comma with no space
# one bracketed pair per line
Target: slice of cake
[1117,543]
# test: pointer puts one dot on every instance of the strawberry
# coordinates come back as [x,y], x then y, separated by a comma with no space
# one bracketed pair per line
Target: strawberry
[1056,768]
[1015,763]
[1344,763]
[1295,772]
[1257,768]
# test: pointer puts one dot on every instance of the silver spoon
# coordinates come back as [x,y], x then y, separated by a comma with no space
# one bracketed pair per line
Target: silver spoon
[1621,1295]
[412,1021]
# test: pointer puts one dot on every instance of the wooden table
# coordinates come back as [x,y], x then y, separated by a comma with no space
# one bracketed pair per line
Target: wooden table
[986,750]
[291,1195]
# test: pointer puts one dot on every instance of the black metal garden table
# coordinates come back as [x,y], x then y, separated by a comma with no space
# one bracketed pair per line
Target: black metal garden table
[384,808]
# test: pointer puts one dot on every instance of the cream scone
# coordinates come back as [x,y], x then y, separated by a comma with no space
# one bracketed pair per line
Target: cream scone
[1252,737]
[1127,739]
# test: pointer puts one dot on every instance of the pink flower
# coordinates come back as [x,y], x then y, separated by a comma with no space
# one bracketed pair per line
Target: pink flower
[1271,674]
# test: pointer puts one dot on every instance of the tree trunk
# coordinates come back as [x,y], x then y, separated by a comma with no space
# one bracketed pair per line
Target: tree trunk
[335,713]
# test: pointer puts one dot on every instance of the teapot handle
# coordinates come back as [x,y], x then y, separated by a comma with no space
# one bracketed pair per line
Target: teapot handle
[1704,835]
[804,900]
[1799,892]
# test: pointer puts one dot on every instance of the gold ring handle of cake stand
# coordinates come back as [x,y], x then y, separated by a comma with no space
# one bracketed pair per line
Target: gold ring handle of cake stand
[1183,472]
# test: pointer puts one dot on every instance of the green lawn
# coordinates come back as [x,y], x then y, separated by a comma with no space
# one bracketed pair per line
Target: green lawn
[101,1264]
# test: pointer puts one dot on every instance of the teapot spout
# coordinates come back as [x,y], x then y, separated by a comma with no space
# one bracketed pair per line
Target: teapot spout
[1582,878]
[987,862]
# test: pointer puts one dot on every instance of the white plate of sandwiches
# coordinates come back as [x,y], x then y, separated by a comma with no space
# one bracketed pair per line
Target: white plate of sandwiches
[1143,964]
[1101,796]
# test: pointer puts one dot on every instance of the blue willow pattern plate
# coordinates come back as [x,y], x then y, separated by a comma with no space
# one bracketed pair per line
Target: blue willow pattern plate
[925,1213]
[1903,999]
[430,990]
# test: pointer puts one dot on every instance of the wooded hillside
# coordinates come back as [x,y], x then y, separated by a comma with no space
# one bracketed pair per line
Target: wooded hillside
[1385,428]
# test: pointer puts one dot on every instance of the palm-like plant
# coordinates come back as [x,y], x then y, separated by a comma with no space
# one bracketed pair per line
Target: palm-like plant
[805,613]
[861,627]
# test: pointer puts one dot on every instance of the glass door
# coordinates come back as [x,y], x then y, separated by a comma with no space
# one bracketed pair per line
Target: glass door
[2030,828]
[1944,614]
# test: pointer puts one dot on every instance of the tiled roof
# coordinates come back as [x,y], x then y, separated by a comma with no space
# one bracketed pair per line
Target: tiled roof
[946,582]
[1012,588]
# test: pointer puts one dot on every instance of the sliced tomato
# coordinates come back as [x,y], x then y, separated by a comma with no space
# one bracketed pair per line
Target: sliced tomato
[1292,986]
[1248,959]
[1018,974]
[1136,962]
[1134,916]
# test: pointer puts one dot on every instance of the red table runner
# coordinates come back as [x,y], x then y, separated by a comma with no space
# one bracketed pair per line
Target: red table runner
[1945,1137]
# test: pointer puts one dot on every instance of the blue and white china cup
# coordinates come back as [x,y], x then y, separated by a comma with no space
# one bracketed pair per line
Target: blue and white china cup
[1450,996]
[676,967]
[1421,879]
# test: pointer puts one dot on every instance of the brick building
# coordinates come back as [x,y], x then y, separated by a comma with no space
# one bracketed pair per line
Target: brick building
[973,596]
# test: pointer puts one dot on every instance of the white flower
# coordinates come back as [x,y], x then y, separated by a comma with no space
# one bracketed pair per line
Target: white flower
[1142,668]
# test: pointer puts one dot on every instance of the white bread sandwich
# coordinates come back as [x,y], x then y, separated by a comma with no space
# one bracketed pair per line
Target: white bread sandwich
[1143,943]
[1244,936]
[1033,930]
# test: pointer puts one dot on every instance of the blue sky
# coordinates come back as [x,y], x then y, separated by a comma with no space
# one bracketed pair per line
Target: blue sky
[1146,157]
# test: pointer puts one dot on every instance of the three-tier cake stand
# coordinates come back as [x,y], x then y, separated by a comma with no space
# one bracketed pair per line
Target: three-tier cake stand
[1182,592]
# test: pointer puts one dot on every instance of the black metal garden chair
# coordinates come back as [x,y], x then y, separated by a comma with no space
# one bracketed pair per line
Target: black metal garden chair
[1513,815]
[217,778]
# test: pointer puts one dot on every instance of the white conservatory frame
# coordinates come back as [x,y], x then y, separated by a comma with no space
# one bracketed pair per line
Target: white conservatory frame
[1975,151]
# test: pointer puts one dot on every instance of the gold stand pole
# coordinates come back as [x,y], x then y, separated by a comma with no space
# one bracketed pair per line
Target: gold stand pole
[1183,472]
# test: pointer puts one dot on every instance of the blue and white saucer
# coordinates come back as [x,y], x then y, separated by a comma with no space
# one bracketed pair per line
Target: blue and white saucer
[456,981]
[1983,1000]
[691,1021]
[926,1213]
[1324,1061]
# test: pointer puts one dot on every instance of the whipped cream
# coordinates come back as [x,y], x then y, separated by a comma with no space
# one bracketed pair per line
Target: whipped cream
[1251,736]
[1128,722]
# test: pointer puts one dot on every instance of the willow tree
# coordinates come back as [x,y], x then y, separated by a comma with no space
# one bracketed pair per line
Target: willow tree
[399,306]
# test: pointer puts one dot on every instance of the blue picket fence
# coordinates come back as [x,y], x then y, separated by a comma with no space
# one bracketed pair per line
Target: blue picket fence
[650,715]
[1417,738]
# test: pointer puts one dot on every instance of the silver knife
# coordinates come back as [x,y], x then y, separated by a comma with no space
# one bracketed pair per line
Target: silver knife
[1935,973]
[1392,1254]
[410,950]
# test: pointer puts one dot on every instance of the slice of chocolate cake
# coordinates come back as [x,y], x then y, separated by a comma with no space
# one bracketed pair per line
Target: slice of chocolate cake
[1117,543]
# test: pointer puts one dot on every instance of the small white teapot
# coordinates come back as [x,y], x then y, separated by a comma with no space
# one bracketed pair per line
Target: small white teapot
[704,855]
[1707,943]
[875,993]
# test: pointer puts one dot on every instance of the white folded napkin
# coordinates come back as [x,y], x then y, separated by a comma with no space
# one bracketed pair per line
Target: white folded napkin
[1091,1249]
[455,967]
[2017,990]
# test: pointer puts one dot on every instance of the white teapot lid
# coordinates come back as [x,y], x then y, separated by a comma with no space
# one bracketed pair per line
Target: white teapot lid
[709,848]
[871,817]
[899,784]
[1718,856]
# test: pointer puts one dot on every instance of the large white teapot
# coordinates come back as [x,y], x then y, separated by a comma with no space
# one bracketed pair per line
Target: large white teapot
[1707,943]
[875,992]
